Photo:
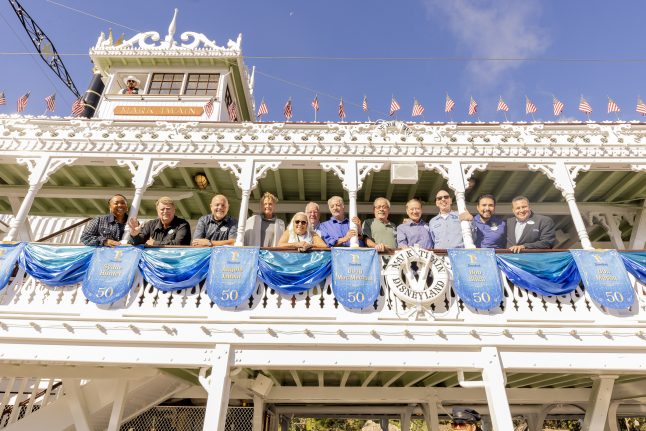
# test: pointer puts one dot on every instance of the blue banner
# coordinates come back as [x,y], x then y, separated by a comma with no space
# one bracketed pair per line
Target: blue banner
[605,278]
[635,263]
[549,274]
[291,273]
[476,277]
[170,269]
[56,265]
[111,273]
[356,276]
[9,254]
[232,275]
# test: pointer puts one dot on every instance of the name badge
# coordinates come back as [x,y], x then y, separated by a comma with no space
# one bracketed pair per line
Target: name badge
[530,221]
[224,228]
[494,228]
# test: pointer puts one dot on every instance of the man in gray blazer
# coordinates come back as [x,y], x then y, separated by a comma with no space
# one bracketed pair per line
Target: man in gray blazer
[528,230]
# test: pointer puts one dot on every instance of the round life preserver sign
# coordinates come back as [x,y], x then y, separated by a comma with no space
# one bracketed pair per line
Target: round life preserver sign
[417,276]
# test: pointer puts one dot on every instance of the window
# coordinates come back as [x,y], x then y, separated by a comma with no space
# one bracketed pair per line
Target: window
[202,84]
[166,83]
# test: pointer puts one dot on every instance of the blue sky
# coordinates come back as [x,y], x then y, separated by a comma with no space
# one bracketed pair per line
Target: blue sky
[451,32]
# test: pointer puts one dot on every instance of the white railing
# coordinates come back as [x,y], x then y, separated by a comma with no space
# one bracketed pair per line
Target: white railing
[27,295]
[23,396]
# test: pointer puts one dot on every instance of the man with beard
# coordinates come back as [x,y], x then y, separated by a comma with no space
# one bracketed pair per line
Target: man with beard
[336,231]
[379,232]
[487,228]
[445,227]
[165,230]
[414,231]
[108,229]
[528,230]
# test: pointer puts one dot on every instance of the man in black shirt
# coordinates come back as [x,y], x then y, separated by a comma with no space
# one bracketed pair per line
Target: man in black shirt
[165,230]
[217,228]
[108,229]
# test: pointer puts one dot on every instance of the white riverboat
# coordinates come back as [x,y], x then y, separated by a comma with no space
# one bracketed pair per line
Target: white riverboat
[176,361]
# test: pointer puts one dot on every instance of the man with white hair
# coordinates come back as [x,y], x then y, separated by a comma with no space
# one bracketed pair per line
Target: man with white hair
[336,231]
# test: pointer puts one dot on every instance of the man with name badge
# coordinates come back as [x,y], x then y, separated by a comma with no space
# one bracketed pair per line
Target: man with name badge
[165,230]
[108,229]
[487,228]
[414,231]
[528,230]
[445,227]
[379,232]
[336,232]
[217,228]
[313,216]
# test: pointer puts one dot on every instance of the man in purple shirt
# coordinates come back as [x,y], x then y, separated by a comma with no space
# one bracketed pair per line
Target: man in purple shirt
[488,229]
[336,231]
[415,230]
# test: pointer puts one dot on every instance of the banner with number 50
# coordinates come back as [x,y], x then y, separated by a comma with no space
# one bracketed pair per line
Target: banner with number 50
[232,275]
[111,273]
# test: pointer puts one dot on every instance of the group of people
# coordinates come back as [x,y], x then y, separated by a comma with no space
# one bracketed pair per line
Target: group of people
[526,230]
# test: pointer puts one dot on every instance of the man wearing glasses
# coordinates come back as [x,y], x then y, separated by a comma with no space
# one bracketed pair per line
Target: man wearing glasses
[132,85]
[465,419]
[445,227]
[379,232]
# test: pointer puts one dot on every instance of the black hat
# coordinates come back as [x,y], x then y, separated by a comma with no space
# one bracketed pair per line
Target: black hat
[465,416]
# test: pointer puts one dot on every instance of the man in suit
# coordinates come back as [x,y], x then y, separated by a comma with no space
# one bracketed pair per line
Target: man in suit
[528,230]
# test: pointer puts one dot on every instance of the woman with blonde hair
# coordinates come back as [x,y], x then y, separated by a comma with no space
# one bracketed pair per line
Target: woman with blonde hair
[264,230]
[300,235]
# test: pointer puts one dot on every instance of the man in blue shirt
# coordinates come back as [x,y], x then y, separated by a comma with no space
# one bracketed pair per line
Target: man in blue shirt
[445,227]
[414,230]
[488,229]
[336,231]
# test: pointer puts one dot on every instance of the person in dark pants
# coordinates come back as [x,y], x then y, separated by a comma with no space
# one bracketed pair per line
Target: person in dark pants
[165,230]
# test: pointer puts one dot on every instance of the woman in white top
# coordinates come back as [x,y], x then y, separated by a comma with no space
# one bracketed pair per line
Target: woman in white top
[300,235]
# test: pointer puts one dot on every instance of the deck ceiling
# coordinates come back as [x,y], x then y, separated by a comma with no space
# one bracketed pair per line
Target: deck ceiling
[84,190]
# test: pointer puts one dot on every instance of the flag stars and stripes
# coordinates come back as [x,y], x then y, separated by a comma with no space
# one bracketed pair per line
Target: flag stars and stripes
[473,106]
[262,109]
[341,110]
[50,102]
[449,104]
[364,104]
[530,107]
[418,109]
[78,107]
[558,106]
[22,101]
[315,103]
[3,99]
[208,107]
[584,106]
[641,106]
[233,115]
[394,107]
[287,110]
[502,106]
[612,106]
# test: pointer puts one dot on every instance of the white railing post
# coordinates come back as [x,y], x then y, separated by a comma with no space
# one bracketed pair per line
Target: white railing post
[218,386]
[563,177]
[39,171]
[457,176]
[247,173]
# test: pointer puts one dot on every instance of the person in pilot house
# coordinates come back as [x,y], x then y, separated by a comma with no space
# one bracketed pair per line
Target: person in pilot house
[528,230]
[132,85]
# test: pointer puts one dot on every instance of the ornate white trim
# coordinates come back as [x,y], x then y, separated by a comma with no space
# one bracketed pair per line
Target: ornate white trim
[448,172]
[141,178]
[260,169]
[554,173]
[42,167]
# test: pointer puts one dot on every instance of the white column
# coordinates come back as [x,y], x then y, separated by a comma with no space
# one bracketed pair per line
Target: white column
[493,376]
[431,415]
[248,173]
[352,173]
[39,171]
[563,177]
[458,176]
[600,396]
[143,173]
[258,412]
[217,386]
[118,404]
[24,232]
[77,405]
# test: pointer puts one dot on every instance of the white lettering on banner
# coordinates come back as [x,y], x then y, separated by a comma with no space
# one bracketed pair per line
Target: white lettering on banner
[417,276]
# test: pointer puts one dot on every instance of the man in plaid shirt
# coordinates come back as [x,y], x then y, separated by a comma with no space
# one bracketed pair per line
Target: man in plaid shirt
[108,229]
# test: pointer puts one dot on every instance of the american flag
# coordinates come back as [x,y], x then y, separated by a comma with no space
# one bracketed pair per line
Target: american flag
[394,107]
[78,107]
[22,101]
[530,107]
[208,108]
[341,110]
[364,104]
[233,116]
[50,102]
[288,110]
[449,105]
[584,106]
[418,109]
[612,106]
[502,106]
[641,106]
[315,103]
[262,109]
[558,106]
[473,106]
[3,99]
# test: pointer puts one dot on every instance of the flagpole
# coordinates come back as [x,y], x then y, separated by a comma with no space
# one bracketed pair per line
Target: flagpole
[533,119]
[505,114]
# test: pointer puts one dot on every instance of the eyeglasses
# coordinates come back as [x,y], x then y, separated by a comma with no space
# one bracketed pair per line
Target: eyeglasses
[439,198]
[300,222]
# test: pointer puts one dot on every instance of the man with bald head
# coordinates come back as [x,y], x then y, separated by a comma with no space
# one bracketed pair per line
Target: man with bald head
[217,228]
[379,232]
